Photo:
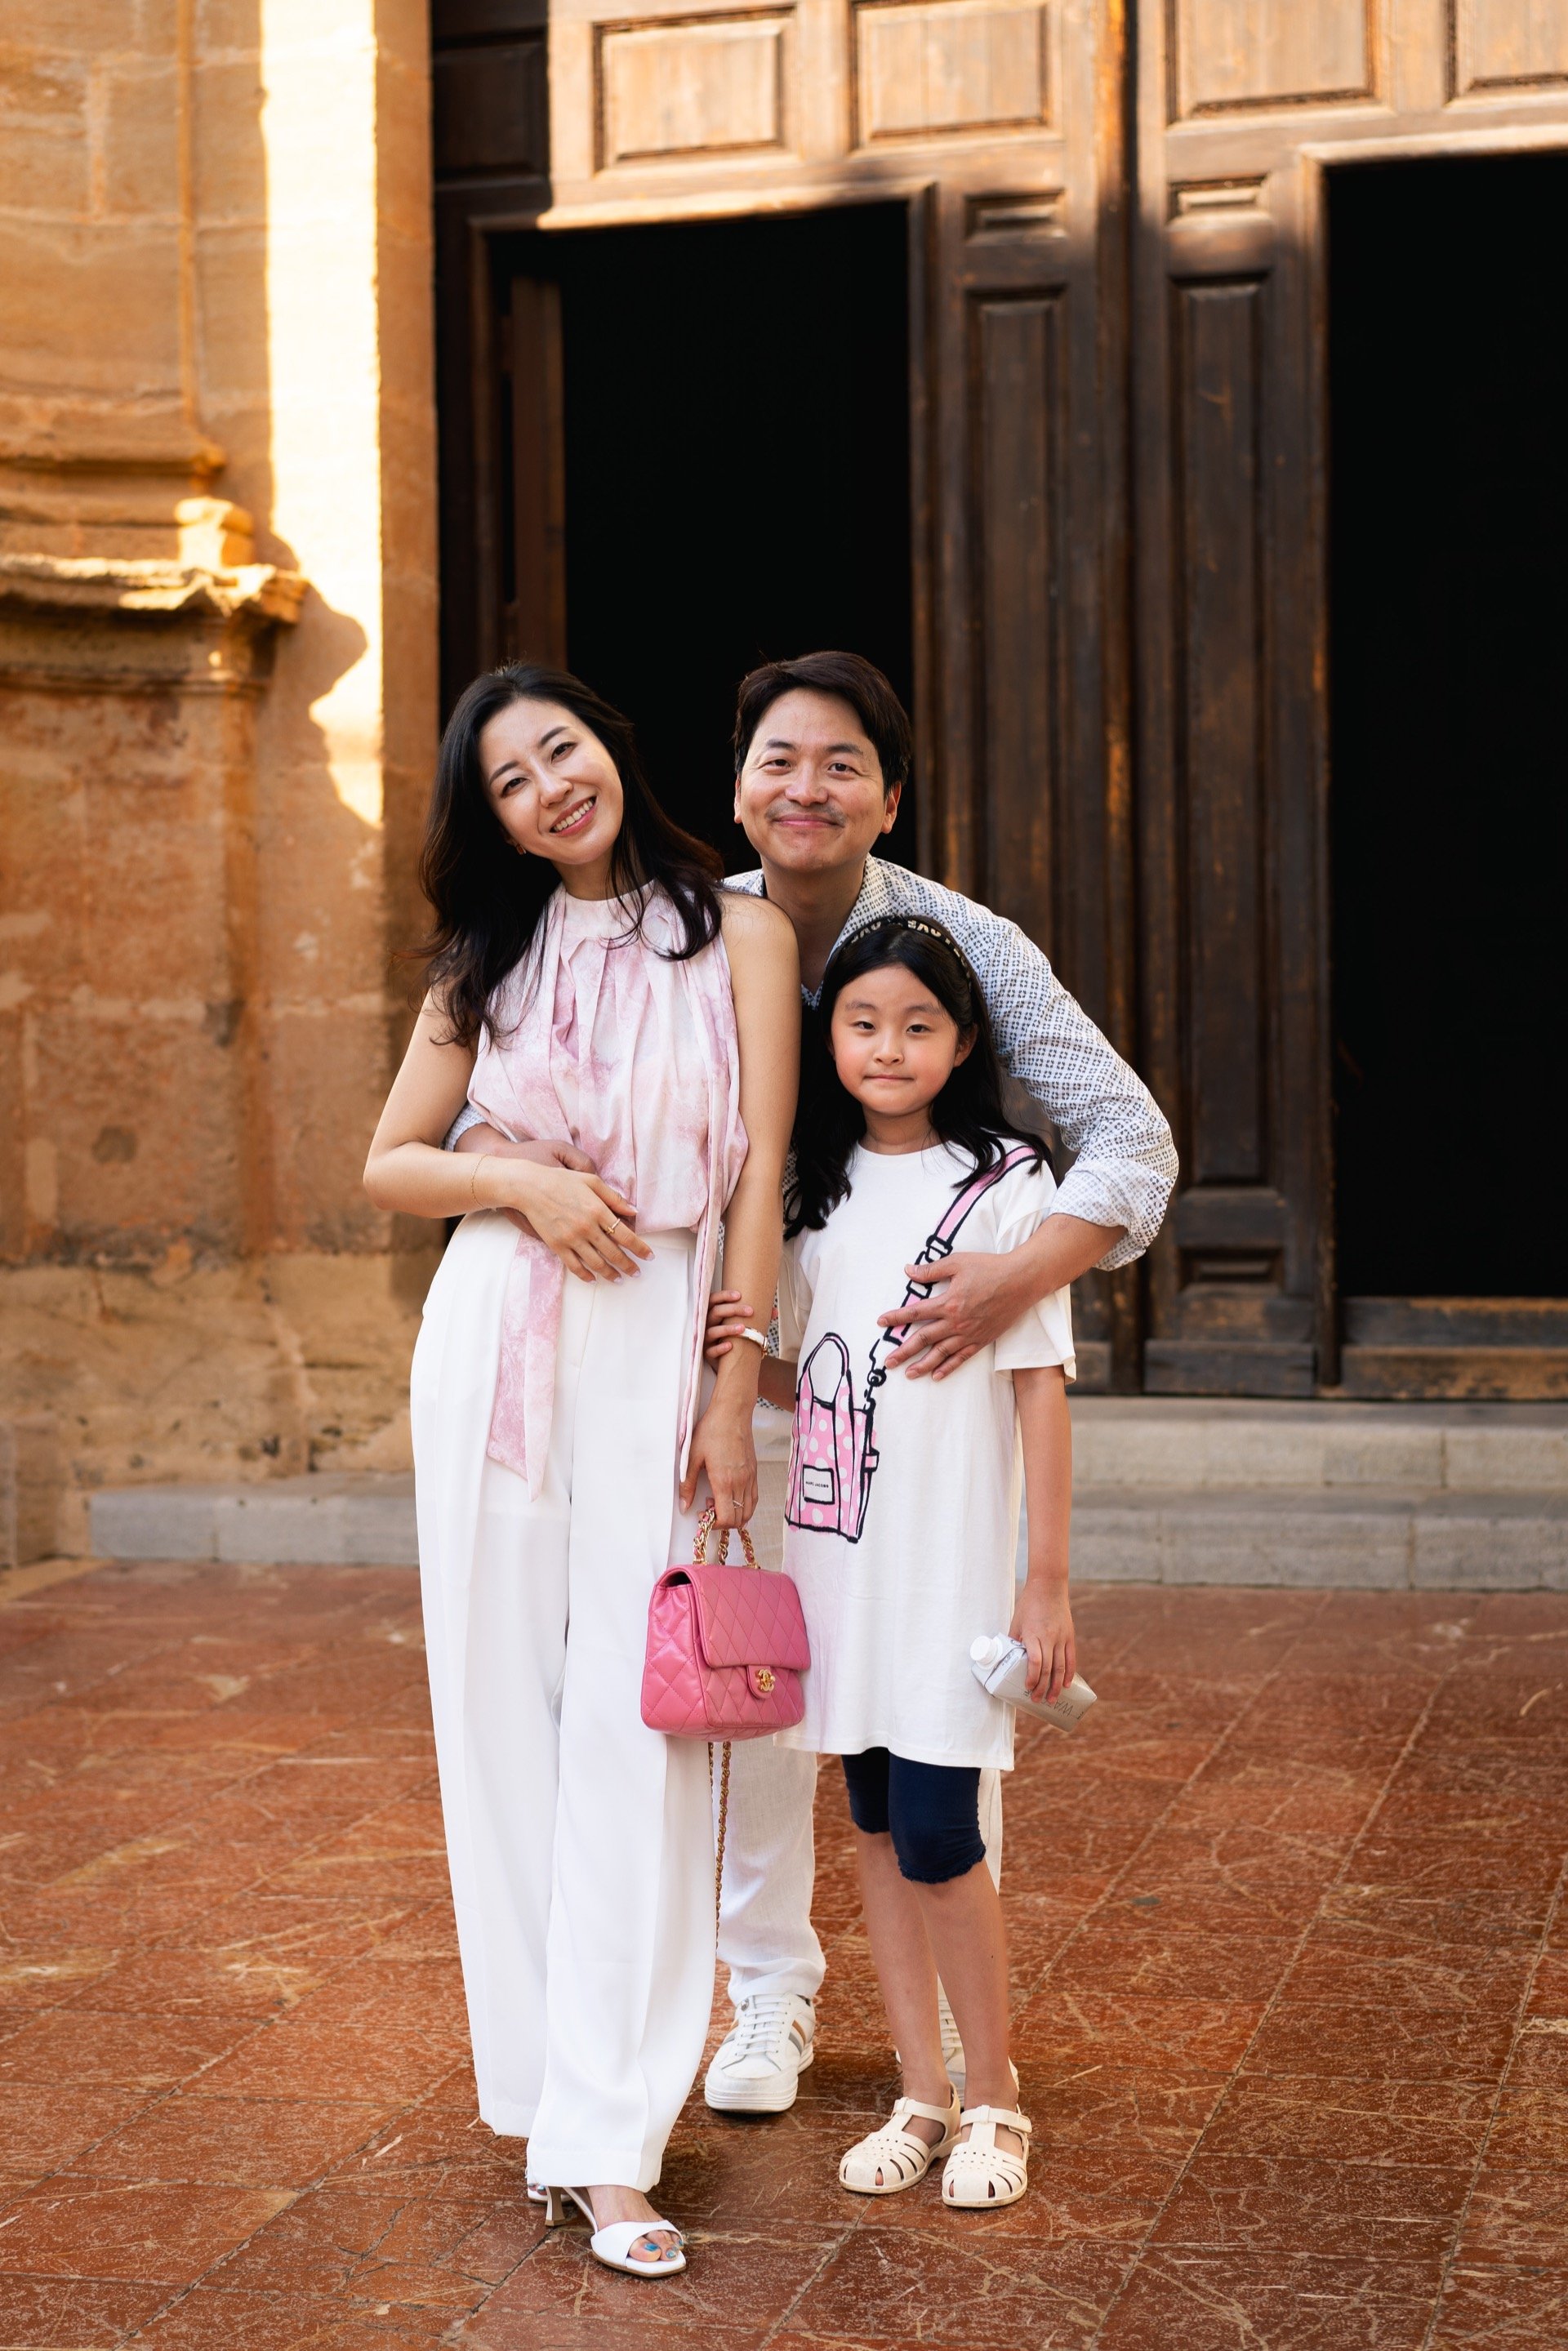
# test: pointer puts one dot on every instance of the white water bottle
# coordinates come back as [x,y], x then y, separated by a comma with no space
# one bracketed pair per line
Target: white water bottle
[1001,1665]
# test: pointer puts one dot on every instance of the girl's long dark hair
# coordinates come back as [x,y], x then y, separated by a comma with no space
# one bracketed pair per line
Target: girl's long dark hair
[968,1113]
[486,900]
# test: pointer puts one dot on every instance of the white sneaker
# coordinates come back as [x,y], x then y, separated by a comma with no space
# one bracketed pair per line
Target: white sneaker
[952,2047]
[758,2066]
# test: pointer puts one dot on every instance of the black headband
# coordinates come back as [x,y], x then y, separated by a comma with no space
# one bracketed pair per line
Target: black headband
[920,923]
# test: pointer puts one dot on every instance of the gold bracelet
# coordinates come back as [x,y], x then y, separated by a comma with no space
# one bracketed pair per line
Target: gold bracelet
[473,1179]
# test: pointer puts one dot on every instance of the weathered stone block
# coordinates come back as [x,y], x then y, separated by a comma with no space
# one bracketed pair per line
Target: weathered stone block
[1528,1456]
[155,1522]
[1503,1543]
[138,131]
[1298,1542]
[36,157]
[60,282]
[30,1485]
[1113,1545]
[230,154]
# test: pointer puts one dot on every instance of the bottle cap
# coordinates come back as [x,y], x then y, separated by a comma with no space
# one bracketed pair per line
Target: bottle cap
[982,1650]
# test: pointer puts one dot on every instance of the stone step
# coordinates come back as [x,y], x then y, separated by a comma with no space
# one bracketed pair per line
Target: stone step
[1213,1442]
[1364,1537]
[330,1521]
[1359,1538]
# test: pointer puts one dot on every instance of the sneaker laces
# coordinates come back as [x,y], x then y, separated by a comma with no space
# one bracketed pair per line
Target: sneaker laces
[761,2026]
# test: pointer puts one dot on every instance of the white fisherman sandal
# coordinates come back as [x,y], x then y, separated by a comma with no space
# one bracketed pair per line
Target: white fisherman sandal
[893,2157]
[980,2174]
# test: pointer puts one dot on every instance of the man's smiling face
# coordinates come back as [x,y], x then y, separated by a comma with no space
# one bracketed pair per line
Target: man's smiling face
[811,795]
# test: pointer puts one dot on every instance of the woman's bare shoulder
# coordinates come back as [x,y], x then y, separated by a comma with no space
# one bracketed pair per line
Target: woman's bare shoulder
[752,923]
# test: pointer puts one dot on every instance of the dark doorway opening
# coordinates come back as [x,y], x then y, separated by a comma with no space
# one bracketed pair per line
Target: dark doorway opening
[731,418]
[1449,729]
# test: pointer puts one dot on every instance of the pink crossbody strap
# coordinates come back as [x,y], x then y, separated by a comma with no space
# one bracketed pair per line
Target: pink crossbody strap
[939,1245]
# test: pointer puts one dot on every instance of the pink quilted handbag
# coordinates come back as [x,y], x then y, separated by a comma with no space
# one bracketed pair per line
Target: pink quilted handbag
[726,1647]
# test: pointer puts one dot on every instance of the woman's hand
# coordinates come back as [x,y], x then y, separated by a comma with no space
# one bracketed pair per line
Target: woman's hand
[485,1143]
[1043,1621]
[723,1451]
[727,1317]
[586,1221]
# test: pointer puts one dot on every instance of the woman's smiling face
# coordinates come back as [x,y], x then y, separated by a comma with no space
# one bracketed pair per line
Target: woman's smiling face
[556,791]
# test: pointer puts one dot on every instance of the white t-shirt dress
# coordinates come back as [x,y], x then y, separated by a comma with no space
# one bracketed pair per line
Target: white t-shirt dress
[901,1523]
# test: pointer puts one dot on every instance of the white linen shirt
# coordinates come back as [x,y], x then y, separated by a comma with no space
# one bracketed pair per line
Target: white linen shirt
[1125,1161]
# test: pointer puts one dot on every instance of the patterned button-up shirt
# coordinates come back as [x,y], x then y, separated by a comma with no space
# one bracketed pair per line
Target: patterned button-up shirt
[1124,1162]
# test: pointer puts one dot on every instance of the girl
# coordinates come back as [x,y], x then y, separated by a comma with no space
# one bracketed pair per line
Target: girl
[633,1037]
[901,1516]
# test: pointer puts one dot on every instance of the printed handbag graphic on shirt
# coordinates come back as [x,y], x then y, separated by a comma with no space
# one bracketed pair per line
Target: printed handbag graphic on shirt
[831,1457]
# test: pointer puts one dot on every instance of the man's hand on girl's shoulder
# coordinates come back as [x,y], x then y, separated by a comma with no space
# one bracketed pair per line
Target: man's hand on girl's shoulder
[976,1295]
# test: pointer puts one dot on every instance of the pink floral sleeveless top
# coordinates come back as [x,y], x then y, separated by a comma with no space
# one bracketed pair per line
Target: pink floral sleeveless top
[609,1044]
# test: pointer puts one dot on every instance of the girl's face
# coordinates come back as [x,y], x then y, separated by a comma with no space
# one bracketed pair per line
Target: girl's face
[894,1047]
[555,790]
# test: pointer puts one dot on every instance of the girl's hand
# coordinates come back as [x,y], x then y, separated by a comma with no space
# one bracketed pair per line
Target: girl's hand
[586,1221]
[1043,1621]
[723,1451]
[727,1317]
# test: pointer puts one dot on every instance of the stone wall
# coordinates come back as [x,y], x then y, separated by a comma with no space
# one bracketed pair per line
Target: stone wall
[217,713]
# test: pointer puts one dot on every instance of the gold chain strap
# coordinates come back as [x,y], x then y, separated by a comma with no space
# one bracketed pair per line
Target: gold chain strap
[722,1825]
[706,1526]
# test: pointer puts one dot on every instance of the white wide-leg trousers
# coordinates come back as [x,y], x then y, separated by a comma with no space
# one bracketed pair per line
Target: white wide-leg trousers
[580,1841]
[766,1938]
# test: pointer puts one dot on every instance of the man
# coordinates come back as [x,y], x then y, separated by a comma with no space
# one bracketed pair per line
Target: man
[822,752]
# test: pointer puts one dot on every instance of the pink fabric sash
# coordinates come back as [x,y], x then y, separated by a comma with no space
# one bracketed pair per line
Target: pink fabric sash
[607,1044]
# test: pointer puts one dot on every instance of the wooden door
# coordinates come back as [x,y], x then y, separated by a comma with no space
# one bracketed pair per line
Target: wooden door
[1241,107]
[998,123]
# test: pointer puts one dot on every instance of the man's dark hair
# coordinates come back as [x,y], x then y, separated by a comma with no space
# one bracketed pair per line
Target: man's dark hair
[848,678]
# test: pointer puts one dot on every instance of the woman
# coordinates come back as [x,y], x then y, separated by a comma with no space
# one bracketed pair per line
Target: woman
[596,998]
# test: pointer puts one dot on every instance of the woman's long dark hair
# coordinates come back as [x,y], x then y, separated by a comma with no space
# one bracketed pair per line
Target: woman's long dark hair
[967,1113]
[486,900]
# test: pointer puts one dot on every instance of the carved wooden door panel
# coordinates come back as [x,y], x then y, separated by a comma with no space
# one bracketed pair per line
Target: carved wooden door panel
[1242,105]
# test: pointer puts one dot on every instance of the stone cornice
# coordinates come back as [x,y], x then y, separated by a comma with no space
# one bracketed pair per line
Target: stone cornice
[94,624]
[67,587]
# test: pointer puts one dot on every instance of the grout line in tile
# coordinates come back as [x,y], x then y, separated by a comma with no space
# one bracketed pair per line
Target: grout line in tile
[828,2257]
[1175,2188]
[1521,2014]
[1221,1740]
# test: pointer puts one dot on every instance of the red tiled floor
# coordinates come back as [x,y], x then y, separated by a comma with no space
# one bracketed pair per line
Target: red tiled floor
[1288,1947]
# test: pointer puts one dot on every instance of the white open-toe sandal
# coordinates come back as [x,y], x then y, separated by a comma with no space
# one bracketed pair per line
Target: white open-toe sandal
[612,2244]
[899,2155]
[979,2172]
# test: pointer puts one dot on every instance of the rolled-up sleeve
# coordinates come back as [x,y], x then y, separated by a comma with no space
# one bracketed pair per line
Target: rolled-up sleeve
[467,1117]
[1124,1161]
